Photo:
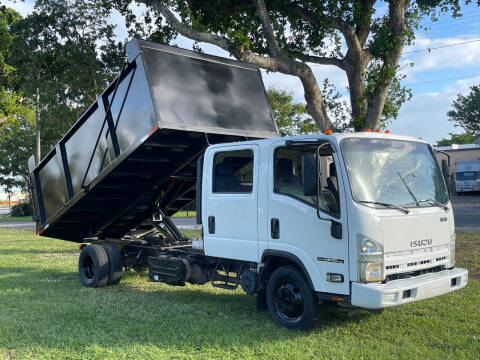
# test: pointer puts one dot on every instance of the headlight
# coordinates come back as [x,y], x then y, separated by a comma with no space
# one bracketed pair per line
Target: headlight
[452,249]
[371,271]
[370,259]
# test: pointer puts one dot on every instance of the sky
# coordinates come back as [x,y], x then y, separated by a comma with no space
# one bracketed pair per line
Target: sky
[435,79]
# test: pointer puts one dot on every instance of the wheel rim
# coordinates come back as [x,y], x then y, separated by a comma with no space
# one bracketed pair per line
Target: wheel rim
[88,268]
[288,300]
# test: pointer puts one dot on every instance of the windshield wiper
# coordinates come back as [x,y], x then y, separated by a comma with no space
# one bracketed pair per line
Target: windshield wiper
[406,185]
[390,206]
[433,202]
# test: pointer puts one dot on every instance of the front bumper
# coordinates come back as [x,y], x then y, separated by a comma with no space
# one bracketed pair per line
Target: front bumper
[397,292]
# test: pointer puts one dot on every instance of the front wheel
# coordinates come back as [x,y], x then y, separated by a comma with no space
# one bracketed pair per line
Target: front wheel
[290,300]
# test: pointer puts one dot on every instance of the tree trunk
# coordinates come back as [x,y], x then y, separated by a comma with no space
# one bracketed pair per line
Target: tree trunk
[356,68]
[314,99]
[398,26]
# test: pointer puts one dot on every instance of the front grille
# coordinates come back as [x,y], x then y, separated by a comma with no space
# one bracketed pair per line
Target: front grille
[423,262]
[392,267]
[410,274]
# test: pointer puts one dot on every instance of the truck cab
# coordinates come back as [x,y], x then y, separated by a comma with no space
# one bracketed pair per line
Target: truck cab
[467,176]
[364,218]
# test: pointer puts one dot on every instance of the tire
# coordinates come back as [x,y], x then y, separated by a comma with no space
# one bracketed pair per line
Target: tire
[116,264]
[93,266]
[290,300]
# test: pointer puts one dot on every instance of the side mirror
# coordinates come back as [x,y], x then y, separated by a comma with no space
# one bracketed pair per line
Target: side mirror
[309,175]
[336,230]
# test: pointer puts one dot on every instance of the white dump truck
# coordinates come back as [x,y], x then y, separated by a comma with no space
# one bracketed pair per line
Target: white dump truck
[467,176]
[360,220]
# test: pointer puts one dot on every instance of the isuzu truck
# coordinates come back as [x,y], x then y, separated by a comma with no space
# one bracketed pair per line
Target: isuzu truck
[467,176]
[360,220]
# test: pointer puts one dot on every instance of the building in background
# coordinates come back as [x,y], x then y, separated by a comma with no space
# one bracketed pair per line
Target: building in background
[12,198]
[458,153]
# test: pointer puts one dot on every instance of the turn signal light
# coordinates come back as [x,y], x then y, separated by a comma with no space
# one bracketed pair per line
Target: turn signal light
[328,132]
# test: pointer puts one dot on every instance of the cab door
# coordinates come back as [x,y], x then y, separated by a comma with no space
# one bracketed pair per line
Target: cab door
[299,230]
[230,197]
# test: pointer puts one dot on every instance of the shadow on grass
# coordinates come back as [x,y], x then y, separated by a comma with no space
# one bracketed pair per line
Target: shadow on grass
[124,315]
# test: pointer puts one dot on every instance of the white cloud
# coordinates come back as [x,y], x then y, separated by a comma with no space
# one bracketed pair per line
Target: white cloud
[426,114]
[293,84]
[453,57]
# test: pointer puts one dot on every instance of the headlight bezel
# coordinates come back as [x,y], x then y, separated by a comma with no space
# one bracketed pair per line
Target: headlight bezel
[370,259]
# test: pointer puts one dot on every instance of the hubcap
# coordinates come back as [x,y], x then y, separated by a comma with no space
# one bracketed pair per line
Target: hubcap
[89,268]
[288,301]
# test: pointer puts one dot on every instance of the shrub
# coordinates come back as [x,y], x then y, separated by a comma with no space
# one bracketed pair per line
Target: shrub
[23,209]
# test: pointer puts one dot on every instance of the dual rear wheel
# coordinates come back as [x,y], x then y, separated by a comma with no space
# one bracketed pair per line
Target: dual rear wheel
[100,265]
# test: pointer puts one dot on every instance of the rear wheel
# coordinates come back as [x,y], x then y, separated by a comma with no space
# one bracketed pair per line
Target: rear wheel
[93,266]
[115,264]
[290,300]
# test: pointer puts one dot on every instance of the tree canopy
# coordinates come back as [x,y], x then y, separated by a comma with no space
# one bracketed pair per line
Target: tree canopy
[457,139]
[66,49]
[16,112]
[466,111]
[287,36]
[291,117]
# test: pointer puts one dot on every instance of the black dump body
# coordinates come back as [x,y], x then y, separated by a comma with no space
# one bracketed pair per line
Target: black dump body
[136,147]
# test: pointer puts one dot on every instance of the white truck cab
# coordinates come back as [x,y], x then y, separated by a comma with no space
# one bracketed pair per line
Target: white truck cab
[467,176]
[365,218]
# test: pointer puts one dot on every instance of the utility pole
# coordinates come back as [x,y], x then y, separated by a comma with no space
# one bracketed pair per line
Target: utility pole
[38,151]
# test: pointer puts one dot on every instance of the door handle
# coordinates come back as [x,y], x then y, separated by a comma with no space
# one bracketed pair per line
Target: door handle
[211,224]
[275,228]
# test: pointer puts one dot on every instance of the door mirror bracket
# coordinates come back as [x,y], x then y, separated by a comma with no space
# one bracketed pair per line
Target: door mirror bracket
[311,175]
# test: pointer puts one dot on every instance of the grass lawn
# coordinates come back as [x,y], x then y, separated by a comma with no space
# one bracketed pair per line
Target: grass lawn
[185,213]
[45,313]
[15,218]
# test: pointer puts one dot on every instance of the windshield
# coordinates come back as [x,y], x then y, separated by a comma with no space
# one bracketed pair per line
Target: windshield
[393,171]
[467,175]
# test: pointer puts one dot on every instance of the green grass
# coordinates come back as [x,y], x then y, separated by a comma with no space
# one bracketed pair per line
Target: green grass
[46,314]
[183,213]
[15,218]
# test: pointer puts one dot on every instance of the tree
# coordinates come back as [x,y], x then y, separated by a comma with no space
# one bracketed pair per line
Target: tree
[65,48]
[466,111]
[291,117]
[16,112]
[457,139]
[286,36]
[16,140]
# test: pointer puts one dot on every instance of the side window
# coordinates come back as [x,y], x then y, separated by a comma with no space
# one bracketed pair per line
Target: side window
[328,198]
[288,173]
[288,178]
[233,172]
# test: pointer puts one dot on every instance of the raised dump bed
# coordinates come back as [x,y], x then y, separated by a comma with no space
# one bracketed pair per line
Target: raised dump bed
[136,147]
